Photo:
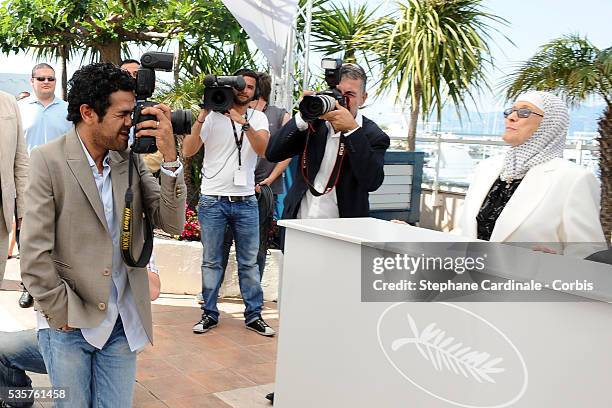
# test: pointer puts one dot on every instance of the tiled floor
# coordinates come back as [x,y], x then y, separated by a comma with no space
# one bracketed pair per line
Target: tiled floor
[227,367]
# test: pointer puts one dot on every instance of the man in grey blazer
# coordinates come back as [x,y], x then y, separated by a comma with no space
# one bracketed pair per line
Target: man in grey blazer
[94,310]
[13,170]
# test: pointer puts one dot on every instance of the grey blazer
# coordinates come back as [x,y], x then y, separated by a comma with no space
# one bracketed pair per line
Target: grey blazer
[67,252]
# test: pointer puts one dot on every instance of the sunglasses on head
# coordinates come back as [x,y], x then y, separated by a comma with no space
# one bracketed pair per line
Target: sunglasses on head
[521,112]
[42,78]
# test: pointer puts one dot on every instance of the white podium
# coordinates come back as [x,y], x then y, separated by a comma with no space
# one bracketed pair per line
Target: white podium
[336,351]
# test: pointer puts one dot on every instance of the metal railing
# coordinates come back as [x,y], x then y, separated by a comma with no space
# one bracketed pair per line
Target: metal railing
[581,151]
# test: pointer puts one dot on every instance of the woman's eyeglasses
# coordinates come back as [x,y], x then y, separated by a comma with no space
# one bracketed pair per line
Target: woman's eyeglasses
[521,112]
[42,79]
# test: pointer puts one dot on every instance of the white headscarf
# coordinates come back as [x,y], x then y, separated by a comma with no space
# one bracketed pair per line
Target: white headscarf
[547,142]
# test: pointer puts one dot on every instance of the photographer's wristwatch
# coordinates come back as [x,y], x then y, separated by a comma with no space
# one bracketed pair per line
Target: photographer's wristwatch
[246,127]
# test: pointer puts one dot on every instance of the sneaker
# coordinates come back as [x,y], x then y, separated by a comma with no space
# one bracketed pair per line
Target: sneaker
[205,324]
[261,327]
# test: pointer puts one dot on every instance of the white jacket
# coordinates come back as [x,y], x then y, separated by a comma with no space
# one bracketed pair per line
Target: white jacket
[557,202]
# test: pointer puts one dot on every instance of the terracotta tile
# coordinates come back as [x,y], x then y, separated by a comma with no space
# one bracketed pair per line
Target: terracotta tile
[142,395]
[153,404]
[149,369]
[246,337]
[221,380]
[174,387]
[205,401]
[258,373]
[213,341]
[234,357]
[266,351]
[174,318]
[191,362]
[186,338]
[12,285]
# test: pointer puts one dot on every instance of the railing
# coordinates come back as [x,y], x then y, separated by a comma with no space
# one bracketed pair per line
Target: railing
[450,161]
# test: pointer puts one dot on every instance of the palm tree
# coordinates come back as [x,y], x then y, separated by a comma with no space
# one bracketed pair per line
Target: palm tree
[436,51]
[574,68]
[346,29]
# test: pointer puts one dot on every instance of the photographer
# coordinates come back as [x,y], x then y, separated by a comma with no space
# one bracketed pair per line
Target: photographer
[94,310]
[332,186]
[228,197]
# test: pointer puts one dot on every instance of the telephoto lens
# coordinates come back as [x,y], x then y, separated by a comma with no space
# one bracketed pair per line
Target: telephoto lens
[313,106]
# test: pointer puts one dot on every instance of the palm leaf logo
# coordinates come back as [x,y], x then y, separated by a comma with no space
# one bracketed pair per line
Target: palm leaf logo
[443,351]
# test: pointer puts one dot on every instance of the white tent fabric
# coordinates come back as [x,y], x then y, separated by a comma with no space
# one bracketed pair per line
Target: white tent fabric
[268,23]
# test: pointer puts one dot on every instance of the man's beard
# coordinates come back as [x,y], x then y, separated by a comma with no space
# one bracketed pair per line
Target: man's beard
[113,143]
[239,102]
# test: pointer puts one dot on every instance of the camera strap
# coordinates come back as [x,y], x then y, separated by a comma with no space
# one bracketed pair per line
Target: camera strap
[334,177]
[126,225]
[238,141]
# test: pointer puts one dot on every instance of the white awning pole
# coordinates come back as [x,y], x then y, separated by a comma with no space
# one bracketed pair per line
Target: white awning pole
[306,71]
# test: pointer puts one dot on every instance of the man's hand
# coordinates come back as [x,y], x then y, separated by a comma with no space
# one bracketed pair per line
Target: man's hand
[161,129]
[236,117]
[264,182]
[544,249]
[341,119]
[202,115]
[306,93]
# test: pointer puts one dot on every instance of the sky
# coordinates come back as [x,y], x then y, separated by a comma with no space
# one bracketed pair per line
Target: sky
[531,24]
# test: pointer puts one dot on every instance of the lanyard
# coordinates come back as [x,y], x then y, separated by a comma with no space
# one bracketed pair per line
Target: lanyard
[334,177]
[126,225]
[238,141]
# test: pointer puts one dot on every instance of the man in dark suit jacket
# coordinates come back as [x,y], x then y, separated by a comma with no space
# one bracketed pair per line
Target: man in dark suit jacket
[345,191]
[332,184]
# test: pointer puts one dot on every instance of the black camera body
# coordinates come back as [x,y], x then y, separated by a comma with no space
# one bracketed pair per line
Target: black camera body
[313,106]
[145,86]
[219,92]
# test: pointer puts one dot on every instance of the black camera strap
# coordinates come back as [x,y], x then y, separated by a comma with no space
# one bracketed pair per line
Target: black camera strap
[126,225]
[240,141]
[334,177]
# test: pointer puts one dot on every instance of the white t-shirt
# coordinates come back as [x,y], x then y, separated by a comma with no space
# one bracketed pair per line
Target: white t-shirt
[221,154]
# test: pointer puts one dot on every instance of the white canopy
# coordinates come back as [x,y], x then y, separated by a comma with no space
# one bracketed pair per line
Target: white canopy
[268,23]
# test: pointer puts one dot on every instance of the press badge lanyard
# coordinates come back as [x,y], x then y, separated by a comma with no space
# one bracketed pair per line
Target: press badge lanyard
[238,141]
[334,177]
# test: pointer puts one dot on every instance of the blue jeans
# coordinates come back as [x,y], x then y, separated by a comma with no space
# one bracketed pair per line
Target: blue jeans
[19,353]
[93,378]
[243,220]
[261,254]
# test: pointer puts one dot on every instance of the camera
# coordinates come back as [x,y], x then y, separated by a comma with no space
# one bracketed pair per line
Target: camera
[313,106]
[219,92]
[145,86]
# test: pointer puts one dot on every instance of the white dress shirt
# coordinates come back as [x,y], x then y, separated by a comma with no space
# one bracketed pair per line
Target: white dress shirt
[325,206]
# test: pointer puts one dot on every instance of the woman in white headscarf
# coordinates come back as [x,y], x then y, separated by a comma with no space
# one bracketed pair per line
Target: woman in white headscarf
[532,194]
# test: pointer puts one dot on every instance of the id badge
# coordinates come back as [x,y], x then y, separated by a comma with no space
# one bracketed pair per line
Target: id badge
[240,178]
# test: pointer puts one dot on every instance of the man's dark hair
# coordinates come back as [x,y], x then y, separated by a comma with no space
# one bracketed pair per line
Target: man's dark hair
[92,85]
[353,71]
[265,86]
[245,72]
[40,66]
[129,61]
